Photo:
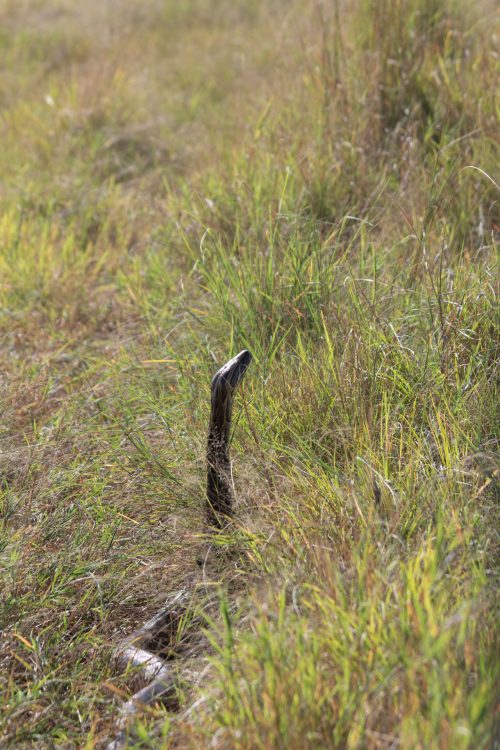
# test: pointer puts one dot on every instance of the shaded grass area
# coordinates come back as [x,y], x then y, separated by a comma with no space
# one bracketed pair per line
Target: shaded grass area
[317,182]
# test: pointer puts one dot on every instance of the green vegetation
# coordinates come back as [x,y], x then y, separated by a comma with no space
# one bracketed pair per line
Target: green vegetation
[317,182]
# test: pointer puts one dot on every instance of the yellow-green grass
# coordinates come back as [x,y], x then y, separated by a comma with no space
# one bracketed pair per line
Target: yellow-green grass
[318,182]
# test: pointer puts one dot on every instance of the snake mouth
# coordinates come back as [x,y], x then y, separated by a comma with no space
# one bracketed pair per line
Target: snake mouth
[232,372]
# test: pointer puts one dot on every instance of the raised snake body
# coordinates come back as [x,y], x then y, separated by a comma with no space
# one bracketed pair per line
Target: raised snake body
[145,649]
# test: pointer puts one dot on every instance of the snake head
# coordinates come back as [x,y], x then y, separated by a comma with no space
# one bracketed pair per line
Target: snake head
[231,374]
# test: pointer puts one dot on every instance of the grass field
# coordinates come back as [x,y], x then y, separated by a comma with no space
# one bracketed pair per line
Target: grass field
[316,181]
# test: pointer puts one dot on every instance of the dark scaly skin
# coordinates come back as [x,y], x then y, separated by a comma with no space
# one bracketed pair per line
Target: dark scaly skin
[219,486]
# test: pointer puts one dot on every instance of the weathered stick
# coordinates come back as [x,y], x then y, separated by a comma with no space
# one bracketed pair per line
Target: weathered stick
[219,485]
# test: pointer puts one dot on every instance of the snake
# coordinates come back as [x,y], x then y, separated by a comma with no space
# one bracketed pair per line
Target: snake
[219,504]
[145,650]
